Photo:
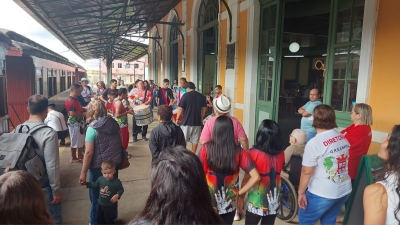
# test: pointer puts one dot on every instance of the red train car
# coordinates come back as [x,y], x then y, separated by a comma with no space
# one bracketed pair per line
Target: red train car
[30,69]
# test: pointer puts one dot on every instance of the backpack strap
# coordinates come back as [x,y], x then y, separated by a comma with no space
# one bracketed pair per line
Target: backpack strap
[31,130]
[40,126]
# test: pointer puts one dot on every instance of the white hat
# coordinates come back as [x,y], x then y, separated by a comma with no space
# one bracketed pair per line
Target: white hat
[300,135]
[222,104]
[84,79]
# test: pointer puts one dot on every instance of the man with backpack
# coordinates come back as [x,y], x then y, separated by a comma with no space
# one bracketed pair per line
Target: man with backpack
[45,165]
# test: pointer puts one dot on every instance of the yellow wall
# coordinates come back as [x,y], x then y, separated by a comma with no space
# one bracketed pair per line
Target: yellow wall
[187,60]
[222,6]
[239,115]
[189,8]
[241,67]
[384,93]
[178,9]
[222,52]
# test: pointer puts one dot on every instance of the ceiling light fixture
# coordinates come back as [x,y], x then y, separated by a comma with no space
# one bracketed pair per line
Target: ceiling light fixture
[294,47]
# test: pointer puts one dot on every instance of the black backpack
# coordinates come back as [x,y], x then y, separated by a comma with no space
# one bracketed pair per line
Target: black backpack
[19,151]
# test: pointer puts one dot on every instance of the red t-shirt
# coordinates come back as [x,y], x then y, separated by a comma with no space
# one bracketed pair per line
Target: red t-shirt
[359,138]
[73,105]
[110,107]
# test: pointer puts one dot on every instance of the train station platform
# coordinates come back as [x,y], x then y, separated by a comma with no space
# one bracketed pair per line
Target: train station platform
[135,179]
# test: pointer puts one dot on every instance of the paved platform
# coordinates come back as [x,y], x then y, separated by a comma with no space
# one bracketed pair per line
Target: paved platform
[136,181]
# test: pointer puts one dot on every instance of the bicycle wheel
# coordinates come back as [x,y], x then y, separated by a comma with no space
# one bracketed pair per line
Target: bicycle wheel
[288,208]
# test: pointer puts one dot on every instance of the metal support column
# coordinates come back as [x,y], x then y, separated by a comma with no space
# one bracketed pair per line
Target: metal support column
[109,70]
[109,61]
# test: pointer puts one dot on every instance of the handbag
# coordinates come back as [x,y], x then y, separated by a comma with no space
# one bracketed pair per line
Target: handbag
[124,161]
[124,157]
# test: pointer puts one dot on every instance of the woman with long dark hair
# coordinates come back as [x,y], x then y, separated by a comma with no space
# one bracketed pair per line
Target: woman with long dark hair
[22,200]
[381,200]
[221,159]
[269,158]
[146,85]
[179,193]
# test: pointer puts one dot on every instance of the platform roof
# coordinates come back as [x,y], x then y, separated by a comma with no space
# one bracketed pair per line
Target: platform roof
[106,29]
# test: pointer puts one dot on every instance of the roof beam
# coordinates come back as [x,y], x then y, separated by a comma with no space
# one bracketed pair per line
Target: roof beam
[73,15]
[130,20]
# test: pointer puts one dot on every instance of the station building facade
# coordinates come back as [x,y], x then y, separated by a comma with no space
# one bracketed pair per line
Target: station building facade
[127,71]
[266,52]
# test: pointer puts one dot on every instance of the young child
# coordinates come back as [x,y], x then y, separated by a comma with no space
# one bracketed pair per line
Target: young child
[109,103]
[110,191]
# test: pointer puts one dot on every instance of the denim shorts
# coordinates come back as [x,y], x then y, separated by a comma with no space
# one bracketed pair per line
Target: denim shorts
[318,208]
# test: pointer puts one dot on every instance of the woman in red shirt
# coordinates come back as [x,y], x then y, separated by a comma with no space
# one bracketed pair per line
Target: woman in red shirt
[359,136]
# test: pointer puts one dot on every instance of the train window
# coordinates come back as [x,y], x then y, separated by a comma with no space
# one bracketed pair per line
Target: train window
[69,79]
[119,65]
[113,65]
[62,81]
[50,82]
[54,85]
[39,82]
[2,67]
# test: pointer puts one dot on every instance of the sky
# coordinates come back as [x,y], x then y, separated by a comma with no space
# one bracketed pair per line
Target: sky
[13,17]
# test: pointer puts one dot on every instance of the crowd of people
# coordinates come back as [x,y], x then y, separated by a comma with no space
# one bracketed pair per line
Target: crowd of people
[198,189]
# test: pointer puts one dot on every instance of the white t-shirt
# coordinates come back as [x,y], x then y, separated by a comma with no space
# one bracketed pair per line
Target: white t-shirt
[56,121]
[328,152]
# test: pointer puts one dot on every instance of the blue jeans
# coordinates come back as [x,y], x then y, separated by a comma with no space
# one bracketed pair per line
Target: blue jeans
[53,210]
[310,135]
[318,208]
[94,194]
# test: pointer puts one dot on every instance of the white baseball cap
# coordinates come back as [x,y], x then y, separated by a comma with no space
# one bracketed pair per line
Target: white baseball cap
[84,79]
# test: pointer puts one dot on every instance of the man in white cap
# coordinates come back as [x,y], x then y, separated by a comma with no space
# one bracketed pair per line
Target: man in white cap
[86,93]
[222,106]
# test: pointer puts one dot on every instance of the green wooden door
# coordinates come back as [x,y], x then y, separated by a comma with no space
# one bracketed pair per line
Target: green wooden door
[269,61]
[344,57]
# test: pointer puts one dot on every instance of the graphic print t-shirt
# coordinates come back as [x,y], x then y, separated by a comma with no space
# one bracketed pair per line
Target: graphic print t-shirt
[264,196]
[359,138]
[108,188]
[223,187]
[329,153]
[73,105]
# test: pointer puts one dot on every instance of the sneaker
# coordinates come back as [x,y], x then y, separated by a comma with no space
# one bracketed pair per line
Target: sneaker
[62,142]
[145,139]
[134,138]
[237,216]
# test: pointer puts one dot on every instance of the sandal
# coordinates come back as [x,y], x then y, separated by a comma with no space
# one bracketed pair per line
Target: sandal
[75,161]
